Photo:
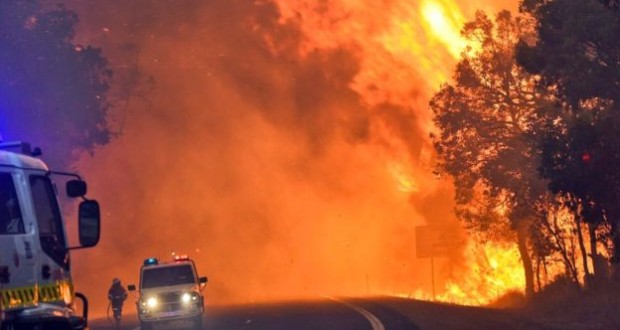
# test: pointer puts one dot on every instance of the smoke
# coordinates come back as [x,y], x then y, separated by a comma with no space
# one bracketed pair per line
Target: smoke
[284,166]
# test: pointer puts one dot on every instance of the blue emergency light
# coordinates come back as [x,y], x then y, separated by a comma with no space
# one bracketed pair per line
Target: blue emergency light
[150,261]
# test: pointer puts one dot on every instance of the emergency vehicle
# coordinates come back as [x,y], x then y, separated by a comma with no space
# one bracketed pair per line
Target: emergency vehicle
[36,289]
[169,291]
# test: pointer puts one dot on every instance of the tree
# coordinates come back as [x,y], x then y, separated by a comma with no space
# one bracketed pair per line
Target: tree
[487,139]
[578,54]
[577,48]
[52,91]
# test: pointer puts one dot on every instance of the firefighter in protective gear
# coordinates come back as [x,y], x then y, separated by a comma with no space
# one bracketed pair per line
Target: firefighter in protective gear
[117,295]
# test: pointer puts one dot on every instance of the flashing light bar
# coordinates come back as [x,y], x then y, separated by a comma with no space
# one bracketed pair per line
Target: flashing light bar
[151,261]
[182,257]
[20,147]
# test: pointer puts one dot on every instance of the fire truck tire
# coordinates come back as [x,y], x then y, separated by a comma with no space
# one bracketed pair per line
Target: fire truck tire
[46,325]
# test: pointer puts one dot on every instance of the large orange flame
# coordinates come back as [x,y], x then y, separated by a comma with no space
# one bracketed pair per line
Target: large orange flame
[494,269]
[242,149]
[399,46]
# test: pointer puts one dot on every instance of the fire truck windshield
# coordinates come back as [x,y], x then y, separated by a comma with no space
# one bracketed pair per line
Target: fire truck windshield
[166,276]
[47,211]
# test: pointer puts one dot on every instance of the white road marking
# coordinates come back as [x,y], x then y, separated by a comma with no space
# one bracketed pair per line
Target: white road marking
[374,321]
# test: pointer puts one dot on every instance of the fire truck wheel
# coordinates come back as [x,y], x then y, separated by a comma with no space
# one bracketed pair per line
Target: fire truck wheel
[46,325]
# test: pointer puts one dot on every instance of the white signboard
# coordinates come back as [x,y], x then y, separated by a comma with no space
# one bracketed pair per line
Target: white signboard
[436,241]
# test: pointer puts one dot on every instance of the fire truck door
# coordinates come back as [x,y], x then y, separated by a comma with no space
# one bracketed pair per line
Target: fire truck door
[17,261]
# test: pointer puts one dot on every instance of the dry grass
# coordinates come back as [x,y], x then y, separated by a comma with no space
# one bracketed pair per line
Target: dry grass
[564,306]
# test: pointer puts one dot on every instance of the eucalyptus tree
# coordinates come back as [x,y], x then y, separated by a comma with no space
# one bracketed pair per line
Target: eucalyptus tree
[577,52]
[487,138]
[52,90]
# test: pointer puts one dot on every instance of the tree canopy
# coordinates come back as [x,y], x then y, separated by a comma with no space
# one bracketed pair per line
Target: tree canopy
[577,52]
[487,123]
[52,91]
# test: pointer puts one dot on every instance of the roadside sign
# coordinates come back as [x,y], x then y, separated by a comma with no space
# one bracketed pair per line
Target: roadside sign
[436,241]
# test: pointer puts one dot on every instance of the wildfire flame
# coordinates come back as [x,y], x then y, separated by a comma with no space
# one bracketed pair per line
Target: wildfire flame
[495,269]
[418,41]
[240,152]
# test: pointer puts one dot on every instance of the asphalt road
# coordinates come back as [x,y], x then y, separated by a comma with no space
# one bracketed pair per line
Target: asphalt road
[346,314]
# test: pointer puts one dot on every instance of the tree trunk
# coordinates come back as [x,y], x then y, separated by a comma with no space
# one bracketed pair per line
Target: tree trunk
[600,265]
[528,269]
[584,254]
[593,248]
[538,283]
[569,265]
[615,238]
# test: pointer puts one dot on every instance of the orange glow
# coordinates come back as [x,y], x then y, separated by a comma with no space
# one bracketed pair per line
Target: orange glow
[285,142]
[495,270]
[405,182]
[446,27]
[416,42]
[491,271]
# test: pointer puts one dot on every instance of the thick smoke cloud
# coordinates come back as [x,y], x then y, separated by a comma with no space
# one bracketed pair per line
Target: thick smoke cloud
[261,162]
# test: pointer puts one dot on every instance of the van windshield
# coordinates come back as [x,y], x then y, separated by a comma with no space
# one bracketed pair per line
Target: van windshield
[166,276]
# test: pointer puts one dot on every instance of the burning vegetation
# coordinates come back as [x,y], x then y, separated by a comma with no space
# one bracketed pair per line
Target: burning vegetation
[285,144]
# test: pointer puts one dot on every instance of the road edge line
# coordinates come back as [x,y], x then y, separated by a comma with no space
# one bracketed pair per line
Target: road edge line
[374,321]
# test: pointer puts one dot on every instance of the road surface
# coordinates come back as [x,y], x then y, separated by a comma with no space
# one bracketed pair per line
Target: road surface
[346,314]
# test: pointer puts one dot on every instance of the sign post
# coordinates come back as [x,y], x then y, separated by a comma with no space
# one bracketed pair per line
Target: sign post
[436,241]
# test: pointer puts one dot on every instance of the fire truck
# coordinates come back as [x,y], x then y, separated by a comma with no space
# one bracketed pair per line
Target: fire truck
[36,288]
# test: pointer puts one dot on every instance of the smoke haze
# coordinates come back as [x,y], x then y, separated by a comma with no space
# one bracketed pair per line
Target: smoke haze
[288,157]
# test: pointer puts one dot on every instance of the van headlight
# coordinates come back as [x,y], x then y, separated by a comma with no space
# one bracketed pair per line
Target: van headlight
[151,302]
[189,297]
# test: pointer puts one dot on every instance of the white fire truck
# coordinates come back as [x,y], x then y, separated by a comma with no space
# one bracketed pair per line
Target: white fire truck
[36,289]
[170,291]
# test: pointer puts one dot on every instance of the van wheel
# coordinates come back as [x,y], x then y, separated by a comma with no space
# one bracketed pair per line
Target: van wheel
[146,326]
[198,322]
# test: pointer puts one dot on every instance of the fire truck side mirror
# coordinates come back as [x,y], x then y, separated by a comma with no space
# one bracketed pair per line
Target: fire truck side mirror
[89,223]
[76,188]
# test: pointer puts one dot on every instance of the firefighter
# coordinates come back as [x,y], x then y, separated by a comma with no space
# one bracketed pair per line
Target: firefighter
[117,295]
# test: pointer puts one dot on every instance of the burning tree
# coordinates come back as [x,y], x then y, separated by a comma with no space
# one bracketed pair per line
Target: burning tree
[487,137]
